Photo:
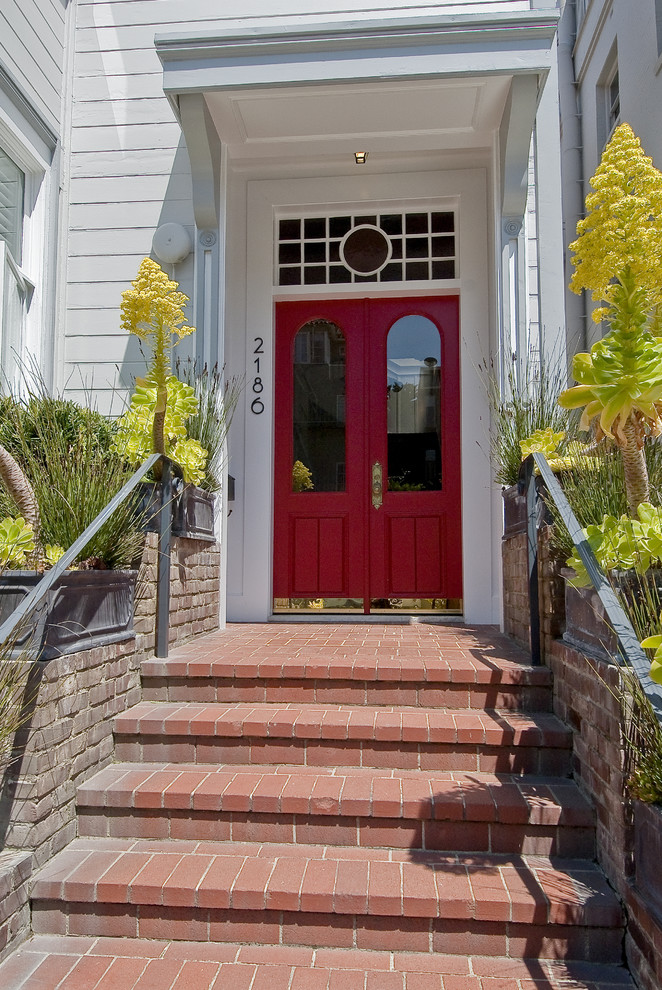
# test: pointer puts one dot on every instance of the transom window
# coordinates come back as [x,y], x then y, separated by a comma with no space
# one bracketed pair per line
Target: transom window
[375,247]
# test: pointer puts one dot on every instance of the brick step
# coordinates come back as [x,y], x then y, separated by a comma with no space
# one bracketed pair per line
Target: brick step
[402,809]
[473,682]
[317,895]
[414,739]
[45,961]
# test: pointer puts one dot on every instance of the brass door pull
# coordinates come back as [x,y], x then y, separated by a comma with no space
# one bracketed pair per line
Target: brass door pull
[377,488]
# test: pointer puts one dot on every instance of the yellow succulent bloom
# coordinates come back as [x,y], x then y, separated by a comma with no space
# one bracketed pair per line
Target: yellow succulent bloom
[623,225]
[153,303]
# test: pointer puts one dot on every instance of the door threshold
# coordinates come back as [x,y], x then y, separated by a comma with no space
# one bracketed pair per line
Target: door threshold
[401,619]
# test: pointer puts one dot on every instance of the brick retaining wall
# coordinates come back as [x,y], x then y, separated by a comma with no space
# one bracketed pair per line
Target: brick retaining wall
[582,698]
[70,734]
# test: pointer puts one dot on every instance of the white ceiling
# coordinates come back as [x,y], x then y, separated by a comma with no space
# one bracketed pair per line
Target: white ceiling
[387,118]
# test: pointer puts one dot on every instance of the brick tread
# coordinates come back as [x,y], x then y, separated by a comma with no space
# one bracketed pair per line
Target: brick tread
[344,722]
[344,791]
[52,962]
[349,666]
[384,883]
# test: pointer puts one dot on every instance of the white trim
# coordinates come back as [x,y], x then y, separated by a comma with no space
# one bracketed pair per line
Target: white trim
[250,529]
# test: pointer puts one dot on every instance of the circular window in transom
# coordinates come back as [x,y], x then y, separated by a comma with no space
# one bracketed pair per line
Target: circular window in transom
[365,250]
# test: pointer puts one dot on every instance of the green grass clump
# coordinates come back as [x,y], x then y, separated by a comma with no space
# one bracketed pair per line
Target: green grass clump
[217,400]
[526,403]
[64,450]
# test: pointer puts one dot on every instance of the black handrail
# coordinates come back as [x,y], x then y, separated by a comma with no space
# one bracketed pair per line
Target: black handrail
[630,651]
[34,598]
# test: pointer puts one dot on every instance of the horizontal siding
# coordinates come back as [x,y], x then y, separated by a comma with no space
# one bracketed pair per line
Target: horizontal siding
[32,47]
[130,189]
[131,137]
[147,161]
[129,170]
[105,242]
[117,215]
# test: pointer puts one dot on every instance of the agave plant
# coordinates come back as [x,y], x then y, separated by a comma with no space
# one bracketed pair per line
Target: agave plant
[618,257]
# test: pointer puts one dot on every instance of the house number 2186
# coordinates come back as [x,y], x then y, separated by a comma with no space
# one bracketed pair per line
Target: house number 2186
[257,405]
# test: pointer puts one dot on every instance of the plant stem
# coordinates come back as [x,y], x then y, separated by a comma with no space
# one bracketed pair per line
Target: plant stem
[634,468]
[21,492]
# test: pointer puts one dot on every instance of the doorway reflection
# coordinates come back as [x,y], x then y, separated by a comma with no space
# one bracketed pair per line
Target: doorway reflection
[413,389]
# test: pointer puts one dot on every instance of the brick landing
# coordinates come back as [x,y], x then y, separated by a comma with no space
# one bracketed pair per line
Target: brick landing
[331,807]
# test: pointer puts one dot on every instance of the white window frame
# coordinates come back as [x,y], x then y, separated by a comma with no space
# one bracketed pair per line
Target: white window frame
[23,348]
[608,102]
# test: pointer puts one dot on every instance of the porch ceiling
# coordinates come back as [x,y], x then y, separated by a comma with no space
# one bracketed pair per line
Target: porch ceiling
[386,118]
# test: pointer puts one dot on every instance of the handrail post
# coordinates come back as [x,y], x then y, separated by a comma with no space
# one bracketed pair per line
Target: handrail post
[532,558]
[163,563]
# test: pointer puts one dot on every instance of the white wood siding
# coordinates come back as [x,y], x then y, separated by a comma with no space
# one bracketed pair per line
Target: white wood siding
[129,168]
[32,47]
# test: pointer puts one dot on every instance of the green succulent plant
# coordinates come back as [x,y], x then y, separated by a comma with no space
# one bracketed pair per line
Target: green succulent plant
[623,543]
[17,542]
[545,441]
[133,438]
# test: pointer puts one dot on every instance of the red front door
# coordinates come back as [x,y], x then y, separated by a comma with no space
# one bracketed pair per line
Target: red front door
[367,449]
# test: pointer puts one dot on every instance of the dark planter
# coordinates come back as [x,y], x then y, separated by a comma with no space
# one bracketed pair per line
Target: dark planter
[514,512]
[85,609]
[648,853]
[193,512]
[586,626]
[514,509]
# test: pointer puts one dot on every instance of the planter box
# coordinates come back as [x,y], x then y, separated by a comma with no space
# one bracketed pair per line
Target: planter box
[85,609]
[514,509]
[586,626]
[648,853]
[193,512]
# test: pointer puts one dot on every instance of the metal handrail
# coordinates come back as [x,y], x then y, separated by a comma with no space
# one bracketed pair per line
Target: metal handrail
[630,652]
[37,595]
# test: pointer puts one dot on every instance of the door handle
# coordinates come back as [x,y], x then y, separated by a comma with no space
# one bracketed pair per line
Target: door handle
[377,488]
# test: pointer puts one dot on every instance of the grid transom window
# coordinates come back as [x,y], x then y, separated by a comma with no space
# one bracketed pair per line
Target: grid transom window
[313,250]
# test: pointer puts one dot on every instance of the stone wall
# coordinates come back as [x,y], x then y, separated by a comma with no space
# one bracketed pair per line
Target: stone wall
[69,736]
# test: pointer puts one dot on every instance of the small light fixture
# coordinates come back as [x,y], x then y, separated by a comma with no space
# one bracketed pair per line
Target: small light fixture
[360,157]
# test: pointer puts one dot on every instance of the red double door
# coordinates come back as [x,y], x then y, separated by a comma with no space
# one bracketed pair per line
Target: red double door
[367,449]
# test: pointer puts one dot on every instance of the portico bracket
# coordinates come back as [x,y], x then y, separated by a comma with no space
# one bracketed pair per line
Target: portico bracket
[204,150]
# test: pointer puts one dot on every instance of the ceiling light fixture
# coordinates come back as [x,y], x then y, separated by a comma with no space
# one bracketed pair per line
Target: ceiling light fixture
[360,157]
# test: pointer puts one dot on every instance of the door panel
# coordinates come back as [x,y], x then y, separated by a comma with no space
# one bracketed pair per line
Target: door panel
[364,385]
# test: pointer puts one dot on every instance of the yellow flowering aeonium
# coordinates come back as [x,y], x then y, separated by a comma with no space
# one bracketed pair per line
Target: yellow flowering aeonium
[618,257]
[622,228]
[154,311]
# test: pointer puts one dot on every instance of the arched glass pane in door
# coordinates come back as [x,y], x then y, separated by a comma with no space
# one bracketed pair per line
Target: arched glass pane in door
[319,408]
[414,405]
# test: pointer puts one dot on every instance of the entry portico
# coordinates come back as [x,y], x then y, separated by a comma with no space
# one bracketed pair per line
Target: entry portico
[446,107]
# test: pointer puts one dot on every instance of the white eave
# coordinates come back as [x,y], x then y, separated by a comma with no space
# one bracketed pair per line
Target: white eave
[402,85]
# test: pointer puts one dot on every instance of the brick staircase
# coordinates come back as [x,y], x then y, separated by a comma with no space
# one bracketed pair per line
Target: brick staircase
[333,807]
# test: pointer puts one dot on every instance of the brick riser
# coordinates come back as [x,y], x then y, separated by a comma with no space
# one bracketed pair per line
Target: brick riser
[390,833]
[398,833]
[374,899]
[362,932]
[346,753]
[474,697]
